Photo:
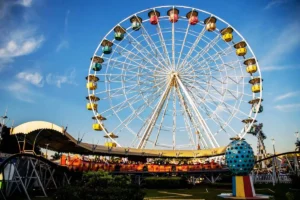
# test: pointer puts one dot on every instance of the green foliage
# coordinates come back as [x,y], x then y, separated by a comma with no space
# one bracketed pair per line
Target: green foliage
[166,182]
[101,186]
[290,196]
[56,156]
[295,181]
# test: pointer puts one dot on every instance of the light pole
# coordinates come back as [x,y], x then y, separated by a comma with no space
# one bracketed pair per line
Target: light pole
[273,142]
[274,163]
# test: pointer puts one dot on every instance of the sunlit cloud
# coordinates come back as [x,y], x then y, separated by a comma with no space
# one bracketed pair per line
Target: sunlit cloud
[277,68]
[286,42]
[25,3]
[288,107]
[275,3]
[64,43]
[58,80]
[286,96]
[33,78]
[21,92]
[20,44]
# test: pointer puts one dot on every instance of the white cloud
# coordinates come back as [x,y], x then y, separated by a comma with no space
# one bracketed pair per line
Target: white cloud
[21,92]
[287,95]
[6,6]
[288,107]
[19,47]
[58,80]
[33,78]
[5,62]
[64,43]
[275,3]
[277,68]
[286,42]
[25,3]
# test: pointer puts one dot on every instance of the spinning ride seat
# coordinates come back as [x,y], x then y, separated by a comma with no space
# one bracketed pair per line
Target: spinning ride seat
[110,144]
[257,108]
[119,33]
[154,17]
[92,82]
[97,127]
[251,65]
[173,15]
[256,87]
[136,23]
[210,23]
[106,46]
[227,34]
[97,63]
[241,49]
[193,17]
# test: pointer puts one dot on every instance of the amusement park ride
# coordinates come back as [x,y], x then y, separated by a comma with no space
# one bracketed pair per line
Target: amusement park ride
[170,82]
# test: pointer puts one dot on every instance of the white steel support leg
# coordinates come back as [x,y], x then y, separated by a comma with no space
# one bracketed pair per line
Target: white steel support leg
[154,117]
[206,129]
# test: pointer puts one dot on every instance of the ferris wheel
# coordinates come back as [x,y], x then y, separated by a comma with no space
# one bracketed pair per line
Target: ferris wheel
[173,77]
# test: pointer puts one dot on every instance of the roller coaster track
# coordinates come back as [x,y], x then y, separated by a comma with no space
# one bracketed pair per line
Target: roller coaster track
[25,174]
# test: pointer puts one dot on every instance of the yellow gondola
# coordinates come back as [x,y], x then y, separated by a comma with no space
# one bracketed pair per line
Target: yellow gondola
[92,102]
[92,82]
[227,34]
[97,127]
[256,87]
[241,49]
[251,65]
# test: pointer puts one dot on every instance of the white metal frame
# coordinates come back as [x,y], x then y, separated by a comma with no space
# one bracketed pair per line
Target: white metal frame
[142,67]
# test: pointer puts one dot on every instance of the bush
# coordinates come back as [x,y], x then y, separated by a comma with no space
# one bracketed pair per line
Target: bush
[166,182]
[101,186]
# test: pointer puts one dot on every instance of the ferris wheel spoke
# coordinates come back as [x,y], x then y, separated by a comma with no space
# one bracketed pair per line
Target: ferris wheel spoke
[216,56]
[204,126]
[227,106]
[129,64]
[212,114]
[198,39]
[154,116]
[150,42]
[163,43]
[183,44]
[130,55]
[140,49]
[162,119]
[173,47]
[135,113]
[204,50]
[187,116]
[174,118]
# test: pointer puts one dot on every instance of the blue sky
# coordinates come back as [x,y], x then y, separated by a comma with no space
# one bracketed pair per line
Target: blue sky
[45,50]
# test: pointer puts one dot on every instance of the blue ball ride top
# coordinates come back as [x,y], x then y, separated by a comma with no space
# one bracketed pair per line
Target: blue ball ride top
[239,157]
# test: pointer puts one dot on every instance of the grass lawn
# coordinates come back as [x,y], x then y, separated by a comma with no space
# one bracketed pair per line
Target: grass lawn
[210,192]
